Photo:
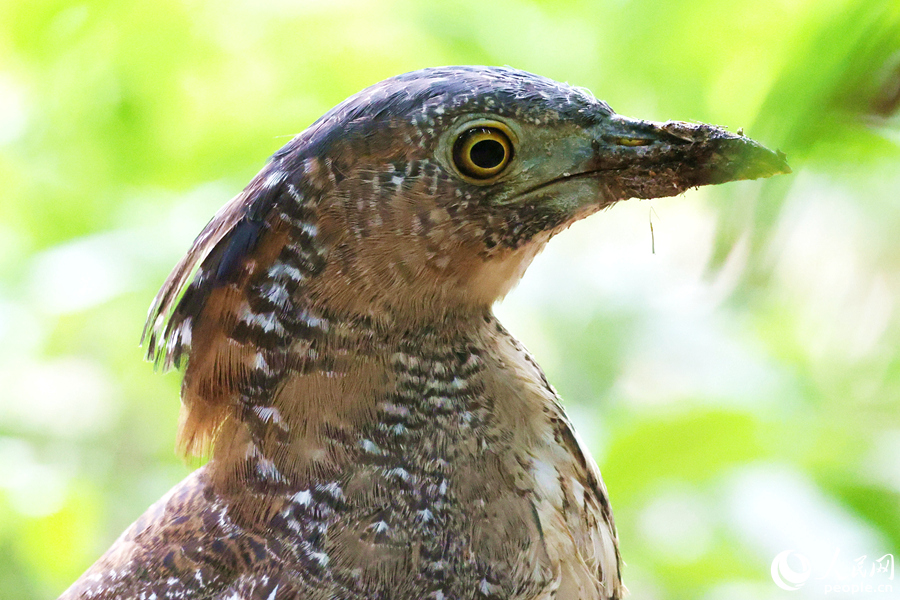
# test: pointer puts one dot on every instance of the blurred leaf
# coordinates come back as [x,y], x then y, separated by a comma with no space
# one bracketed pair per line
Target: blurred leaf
[694,447]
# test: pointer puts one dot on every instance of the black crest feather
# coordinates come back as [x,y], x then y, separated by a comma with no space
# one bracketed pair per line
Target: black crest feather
[214,259]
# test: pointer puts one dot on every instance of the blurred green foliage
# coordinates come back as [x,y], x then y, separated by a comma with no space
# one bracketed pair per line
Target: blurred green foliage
[740,388]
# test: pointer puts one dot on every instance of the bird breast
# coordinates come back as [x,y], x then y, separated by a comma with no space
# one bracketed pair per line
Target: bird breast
[457,472]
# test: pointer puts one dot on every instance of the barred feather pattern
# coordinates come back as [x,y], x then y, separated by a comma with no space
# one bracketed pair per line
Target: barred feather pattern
[236,312]
[434,498]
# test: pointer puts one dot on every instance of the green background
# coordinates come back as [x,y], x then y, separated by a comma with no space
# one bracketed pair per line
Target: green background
[740,387]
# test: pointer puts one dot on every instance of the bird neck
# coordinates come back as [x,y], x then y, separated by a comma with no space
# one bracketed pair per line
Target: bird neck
[404,286]
[357,389]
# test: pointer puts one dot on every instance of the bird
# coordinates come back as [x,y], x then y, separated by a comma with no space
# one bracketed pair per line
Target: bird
[372,431]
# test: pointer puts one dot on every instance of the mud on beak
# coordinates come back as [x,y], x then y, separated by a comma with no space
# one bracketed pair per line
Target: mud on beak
[645,159]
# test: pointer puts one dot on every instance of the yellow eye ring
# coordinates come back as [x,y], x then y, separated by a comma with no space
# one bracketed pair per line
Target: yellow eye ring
[483,152]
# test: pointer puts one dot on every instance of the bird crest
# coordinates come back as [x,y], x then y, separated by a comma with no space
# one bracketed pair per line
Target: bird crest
[223,307]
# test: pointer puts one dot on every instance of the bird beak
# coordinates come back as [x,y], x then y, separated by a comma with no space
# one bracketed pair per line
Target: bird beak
[644,159]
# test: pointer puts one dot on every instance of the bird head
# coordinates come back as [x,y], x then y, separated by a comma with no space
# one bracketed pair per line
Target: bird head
[438,187]
[423,197]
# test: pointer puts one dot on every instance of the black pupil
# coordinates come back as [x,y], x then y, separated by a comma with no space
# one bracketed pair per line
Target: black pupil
[487,154]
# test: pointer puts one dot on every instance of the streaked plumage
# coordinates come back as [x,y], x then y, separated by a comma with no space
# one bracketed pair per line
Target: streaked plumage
[374,432]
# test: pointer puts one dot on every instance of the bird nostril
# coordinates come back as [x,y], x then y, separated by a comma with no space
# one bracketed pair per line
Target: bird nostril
[629,141]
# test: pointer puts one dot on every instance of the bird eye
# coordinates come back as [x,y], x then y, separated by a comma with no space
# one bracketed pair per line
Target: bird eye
[482,152]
